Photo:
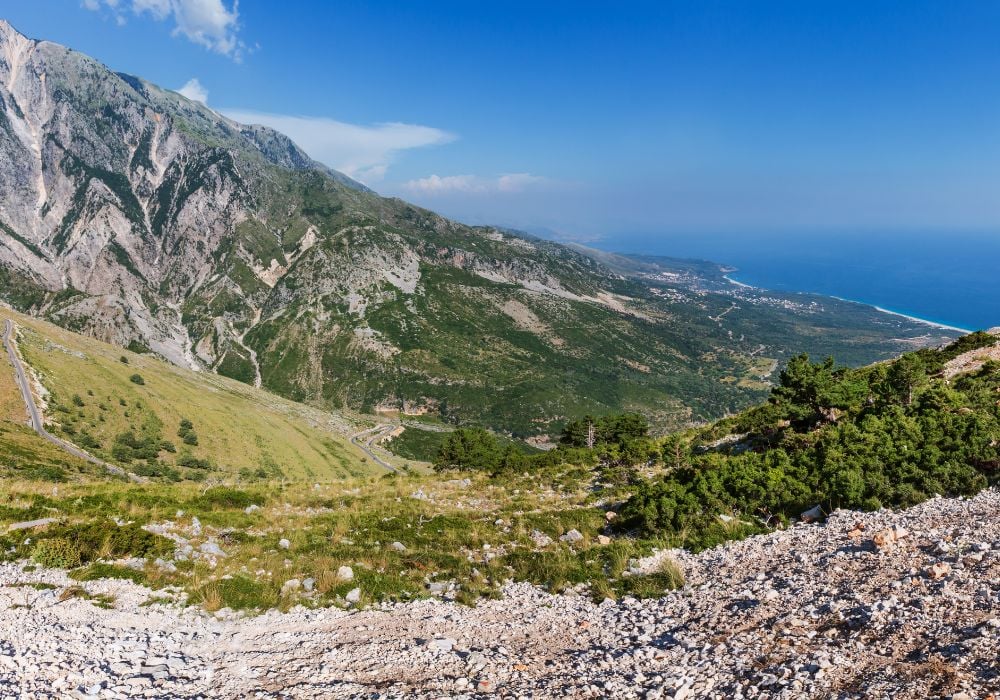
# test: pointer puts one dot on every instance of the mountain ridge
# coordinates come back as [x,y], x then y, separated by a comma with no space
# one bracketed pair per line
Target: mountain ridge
[144,219]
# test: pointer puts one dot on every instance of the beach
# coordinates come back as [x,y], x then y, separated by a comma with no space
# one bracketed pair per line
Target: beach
[909,317]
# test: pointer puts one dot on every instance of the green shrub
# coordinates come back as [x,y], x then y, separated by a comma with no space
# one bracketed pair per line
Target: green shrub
[137,379]
[92,540]
[99,570]
[888,435]
[186,432]
[475,449]
[44,472]
[238,593]
[224,497]
[57,552]
[156,469]
[186,459]
[88,441]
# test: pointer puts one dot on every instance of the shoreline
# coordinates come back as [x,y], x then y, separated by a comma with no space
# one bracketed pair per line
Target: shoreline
[881,309]
[936,324]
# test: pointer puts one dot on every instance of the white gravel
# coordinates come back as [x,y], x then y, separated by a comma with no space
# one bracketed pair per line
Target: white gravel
[815,611]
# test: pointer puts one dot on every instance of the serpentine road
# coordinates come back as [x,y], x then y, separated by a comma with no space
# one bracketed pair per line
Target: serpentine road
[35,415]
[365,438]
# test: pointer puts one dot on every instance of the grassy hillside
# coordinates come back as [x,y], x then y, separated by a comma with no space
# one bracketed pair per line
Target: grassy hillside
[12,408]
[128,409]
[23,454]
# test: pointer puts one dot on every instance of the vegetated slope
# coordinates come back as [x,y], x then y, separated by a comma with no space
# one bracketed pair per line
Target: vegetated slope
[147,220]
[888,435]
[12,408]
[156,419]
[23,453]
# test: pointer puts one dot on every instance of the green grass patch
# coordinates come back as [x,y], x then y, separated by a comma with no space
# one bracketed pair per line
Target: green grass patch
[99,570]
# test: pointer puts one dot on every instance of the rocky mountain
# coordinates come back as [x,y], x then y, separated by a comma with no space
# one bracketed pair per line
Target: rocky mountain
[137,216]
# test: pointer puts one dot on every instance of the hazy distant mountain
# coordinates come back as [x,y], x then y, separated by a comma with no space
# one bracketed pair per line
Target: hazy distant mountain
[135,215]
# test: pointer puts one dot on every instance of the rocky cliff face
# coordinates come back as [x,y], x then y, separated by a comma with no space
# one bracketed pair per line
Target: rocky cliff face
[142,218]
[118,191]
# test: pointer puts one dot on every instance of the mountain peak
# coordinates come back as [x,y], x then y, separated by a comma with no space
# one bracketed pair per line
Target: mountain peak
[7,31]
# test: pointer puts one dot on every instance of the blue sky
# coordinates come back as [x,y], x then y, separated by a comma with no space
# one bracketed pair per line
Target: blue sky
[599,119]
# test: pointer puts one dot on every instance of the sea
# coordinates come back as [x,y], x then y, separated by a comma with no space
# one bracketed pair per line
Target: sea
[947,278]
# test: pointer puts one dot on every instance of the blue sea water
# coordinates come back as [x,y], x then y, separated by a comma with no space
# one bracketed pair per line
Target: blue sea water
[948,278]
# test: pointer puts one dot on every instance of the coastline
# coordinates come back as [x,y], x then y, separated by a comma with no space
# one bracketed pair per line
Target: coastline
[882,309]
[945,326]
[737,282]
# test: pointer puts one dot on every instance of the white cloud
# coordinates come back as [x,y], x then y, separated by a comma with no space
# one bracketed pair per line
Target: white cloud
[208,23]
[360,151]
[435,184]
[160,9]
[517,182]
[474,184]
[194,90]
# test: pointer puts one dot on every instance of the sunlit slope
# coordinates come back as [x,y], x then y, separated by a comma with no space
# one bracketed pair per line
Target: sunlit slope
[159,420]
[23,453]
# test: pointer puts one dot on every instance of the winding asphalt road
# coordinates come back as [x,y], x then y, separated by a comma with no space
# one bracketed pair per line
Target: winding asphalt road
[35,415]
[365,438]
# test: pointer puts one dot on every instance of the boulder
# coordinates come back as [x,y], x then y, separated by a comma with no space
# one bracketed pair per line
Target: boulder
[812,515]
[540,538]
[446,644]
[573,536]
[30,524]
[212,549]
[889,538]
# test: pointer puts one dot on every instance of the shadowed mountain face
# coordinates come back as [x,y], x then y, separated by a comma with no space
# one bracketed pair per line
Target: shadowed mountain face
[145,219]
